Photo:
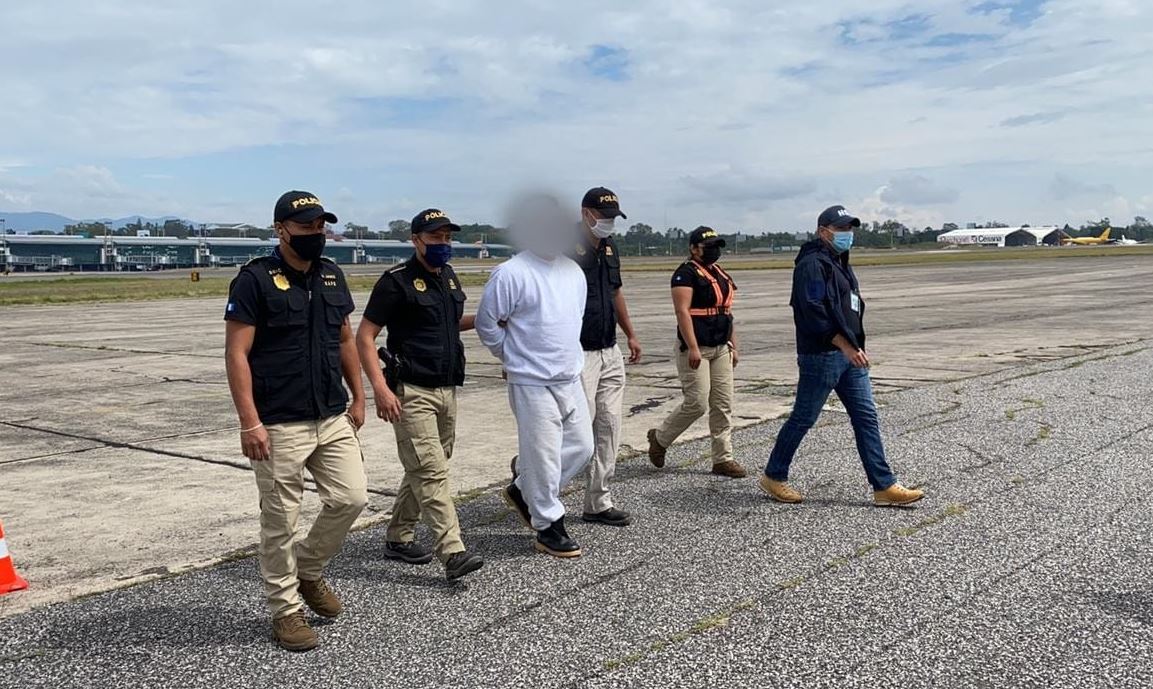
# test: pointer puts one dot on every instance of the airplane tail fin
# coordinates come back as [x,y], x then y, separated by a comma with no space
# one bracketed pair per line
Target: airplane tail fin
[1105,234]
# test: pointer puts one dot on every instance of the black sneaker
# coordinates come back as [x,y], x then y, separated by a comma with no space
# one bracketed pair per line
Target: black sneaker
[412,552]
[556,542]
[515,500]
[462,563]
[610,517]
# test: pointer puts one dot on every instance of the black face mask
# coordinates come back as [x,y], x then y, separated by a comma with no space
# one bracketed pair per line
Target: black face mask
[308,247]
[710,254]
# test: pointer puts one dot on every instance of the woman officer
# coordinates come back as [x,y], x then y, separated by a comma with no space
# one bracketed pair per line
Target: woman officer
[706,352]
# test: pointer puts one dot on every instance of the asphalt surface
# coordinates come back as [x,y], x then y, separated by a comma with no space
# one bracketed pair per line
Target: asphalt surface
[1029,565]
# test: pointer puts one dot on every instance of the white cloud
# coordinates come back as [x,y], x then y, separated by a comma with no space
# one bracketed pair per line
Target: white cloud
[738,112]
[916,190]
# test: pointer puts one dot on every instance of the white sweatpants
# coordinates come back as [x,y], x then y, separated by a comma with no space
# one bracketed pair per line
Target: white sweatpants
[555,439]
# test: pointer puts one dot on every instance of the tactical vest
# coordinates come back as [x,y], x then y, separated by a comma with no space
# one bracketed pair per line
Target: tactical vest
[712,324]
[602,269]
[295,356]
[426,334]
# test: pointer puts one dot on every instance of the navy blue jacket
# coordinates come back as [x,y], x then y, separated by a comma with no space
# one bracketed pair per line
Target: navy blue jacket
[822,299]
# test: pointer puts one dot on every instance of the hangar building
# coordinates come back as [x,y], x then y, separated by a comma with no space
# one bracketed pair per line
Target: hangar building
[1047,235]
[66,253]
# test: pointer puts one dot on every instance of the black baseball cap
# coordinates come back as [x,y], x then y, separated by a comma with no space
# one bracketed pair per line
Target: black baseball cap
[431,219]
[706,235]
[301,206]
[837,216]
[603,201]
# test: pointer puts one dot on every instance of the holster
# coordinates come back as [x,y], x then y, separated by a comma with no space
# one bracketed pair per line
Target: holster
[392,368]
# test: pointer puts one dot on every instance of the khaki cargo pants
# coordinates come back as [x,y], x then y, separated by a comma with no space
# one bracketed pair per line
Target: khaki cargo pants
[424,439]
[329,450]
[709,389]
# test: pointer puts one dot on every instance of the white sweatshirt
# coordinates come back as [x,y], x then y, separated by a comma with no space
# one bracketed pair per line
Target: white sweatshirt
[542,304]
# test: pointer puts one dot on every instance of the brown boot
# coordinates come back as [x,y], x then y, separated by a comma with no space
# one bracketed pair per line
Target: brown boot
[656,450]
[779,490]
[320,598]
[730,469]
[897,495]
[293,633]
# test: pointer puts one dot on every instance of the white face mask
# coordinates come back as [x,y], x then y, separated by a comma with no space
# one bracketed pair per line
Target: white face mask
[603,228]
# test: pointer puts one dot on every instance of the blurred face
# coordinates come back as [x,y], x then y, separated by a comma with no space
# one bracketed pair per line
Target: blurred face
[539,224]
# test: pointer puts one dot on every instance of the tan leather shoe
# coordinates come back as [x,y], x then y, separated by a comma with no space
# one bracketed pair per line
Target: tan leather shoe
[779,490]
[320,598]
[730,469]
[293,633]
[897,495]
[656,450]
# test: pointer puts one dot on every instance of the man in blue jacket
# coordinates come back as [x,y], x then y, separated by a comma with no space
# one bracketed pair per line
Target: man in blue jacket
[829,316]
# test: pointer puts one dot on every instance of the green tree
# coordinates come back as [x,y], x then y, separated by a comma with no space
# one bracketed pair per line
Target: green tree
[399,229]
[351,229]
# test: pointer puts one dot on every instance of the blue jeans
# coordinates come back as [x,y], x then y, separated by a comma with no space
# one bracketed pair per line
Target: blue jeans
[820,375]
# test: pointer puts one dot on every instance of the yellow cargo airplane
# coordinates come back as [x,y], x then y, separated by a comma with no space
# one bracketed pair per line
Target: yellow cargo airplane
[1066,240]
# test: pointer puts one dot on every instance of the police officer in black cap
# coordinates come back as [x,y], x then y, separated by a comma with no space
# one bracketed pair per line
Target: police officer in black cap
[288,346]
[421,304]
[603,376]
[706,352]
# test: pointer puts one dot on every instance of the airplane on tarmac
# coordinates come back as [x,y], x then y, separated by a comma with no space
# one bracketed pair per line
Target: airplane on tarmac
[1066,240]
[1125,241]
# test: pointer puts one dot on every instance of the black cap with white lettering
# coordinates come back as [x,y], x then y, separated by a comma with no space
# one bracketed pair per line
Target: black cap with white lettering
[603,201]
[302,207]
[707,236]
[837,216]
[431,219]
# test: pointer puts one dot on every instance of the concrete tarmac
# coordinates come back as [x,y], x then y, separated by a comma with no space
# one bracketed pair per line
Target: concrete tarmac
[119,457]
[1027,566]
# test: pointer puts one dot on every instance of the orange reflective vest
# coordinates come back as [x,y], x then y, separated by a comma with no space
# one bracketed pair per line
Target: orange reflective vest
[723,303]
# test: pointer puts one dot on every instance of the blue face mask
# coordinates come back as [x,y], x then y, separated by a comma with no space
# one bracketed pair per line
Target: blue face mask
[437,255]
[843,241]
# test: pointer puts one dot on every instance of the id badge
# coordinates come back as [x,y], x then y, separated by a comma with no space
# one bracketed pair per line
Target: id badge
[855,302]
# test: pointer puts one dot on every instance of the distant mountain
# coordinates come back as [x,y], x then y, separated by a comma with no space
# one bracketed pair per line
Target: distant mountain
[26,222]
[53,222]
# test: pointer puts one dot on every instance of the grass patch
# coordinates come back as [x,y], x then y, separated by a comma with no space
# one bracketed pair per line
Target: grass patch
[1043,434]
[954,510]
[701,626]
[86,288]
[79,290]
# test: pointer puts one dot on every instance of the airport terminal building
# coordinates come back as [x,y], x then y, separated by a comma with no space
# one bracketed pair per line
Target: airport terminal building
[1046,235]
[20,253]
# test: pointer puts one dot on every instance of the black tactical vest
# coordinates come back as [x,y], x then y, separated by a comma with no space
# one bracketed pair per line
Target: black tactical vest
[602,269]
[295,357]
[425,334]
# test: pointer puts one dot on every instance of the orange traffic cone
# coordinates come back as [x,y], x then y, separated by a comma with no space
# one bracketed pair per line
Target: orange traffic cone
[9,580]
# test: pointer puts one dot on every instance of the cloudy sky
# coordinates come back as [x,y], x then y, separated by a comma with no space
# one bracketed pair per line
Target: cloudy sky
[746,115]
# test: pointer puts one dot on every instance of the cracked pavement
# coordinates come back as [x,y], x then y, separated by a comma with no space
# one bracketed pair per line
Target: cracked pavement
[1016,394]
[1028,565]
